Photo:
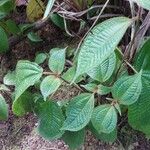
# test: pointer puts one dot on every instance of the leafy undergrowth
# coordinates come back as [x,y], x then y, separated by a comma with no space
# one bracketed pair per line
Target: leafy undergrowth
[77,74]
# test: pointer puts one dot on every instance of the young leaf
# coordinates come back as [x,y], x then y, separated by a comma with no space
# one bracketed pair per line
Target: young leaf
[57,60]
[40,58]
[90,87]
[48,8]
[143,3]
[27,74]
[34,37]
[50,120]
[79,112]
[104,71]
[23,104]
[74,139]
[103,90]
[69,75]
[49,85]
[9,78]
[104,118]
[3,108]
[127,89]
[99,44]
[4,41]
[99,89]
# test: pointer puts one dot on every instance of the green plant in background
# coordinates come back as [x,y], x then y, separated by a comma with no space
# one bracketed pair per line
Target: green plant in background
[98,70]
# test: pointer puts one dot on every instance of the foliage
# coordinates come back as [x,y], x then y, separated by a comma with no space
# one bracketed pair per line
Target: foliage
[106,77]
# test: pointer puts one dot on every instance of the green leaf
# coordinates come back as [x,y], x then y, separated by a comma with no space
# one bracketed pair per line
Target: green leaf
[3,108]
[23,104]
[12,26]
[70,73]
[74,139]
[40,58]
[48,8]
[103,90]
[50,120]
[104,71]
[34,37]
[79,112]
[2,15]
[57,60]
[139,112]
[106,137]
[7,5]
[90,87]
[143,3]
[99,44]
[9,78]
[100,89]
[4,41]
[49,85]
[27,74]
[104,118]
[127,89]
[58,20]
[143,57]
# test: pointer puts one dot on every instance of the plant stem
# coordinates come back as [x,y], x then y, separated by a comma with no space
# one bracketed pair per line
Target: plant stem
[127,61]
[54,74]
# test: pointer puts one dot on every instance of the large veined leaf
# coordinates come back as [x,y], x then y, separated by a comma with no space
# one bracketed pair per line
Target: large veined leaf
[104,71]
[3,108]
[100,43]
[104,118]
[4,41]
[74,139]
[50,120]
[49,85]
[35,10]
[138,113]
[79,112]
[143,57]
[127,89]
[27,73]
[57,60]
[143,3]
[23,104]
